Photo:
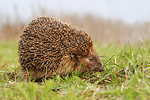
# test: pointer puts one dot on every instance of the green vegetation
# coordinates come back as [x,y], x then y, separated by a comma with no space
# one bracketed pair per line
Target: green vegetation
[126,76]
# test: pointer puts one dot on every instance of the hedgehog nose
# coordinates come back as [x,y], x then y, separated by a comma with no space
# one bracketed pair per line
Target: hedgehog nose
[101,69]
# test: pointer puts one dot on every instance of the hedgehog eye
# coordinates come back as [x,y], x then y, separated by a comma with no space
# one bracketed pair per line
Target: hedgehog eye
[91,58]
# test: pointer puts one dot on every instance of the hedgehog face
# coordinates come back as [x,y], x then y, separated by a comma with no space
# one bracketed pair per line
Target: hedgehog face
[91,62]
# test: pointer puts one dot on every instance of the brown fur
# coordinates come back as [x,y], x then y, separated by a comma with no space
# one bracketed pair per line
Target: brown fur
[48,46]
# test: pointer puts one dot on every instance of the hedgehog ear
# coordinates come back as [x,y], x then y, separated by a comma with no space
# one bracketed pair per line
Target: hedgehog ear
[73,56]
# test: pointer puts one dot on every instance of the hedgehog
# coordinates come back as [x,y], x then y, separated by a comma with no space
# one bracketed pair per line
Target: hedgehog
[50,47]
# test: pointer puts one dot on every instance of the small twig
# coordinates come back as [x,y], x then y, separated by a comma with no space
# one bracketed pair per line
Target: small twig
[3,71]
[101,56]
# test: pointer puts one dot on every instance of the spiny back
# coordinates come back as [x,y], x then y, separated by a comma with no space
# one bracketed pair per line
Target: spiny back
[45,40]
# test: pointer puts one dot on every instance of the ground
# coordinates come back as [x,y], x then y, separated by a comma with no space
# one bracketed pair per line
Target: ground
[126,76]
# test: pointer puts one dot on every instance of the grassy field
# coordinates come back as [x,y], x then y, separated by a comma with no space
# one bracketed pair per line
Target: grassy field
[126,77]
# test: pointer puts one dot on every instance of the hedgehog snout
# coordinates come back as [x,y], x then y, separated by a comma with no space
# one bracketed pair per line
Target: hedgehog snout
[101,68]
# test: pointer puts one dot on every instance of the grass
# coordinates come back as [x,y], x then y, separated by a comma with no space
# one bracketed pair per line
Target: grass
[126,77]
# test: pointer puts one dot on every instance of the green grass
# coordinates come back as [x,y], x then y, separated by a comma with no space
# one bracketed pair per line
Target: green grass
[126,76]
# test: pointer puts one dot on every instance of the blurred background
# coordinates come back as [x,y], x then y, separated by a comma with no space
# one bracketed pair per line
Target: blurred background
[107,21]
